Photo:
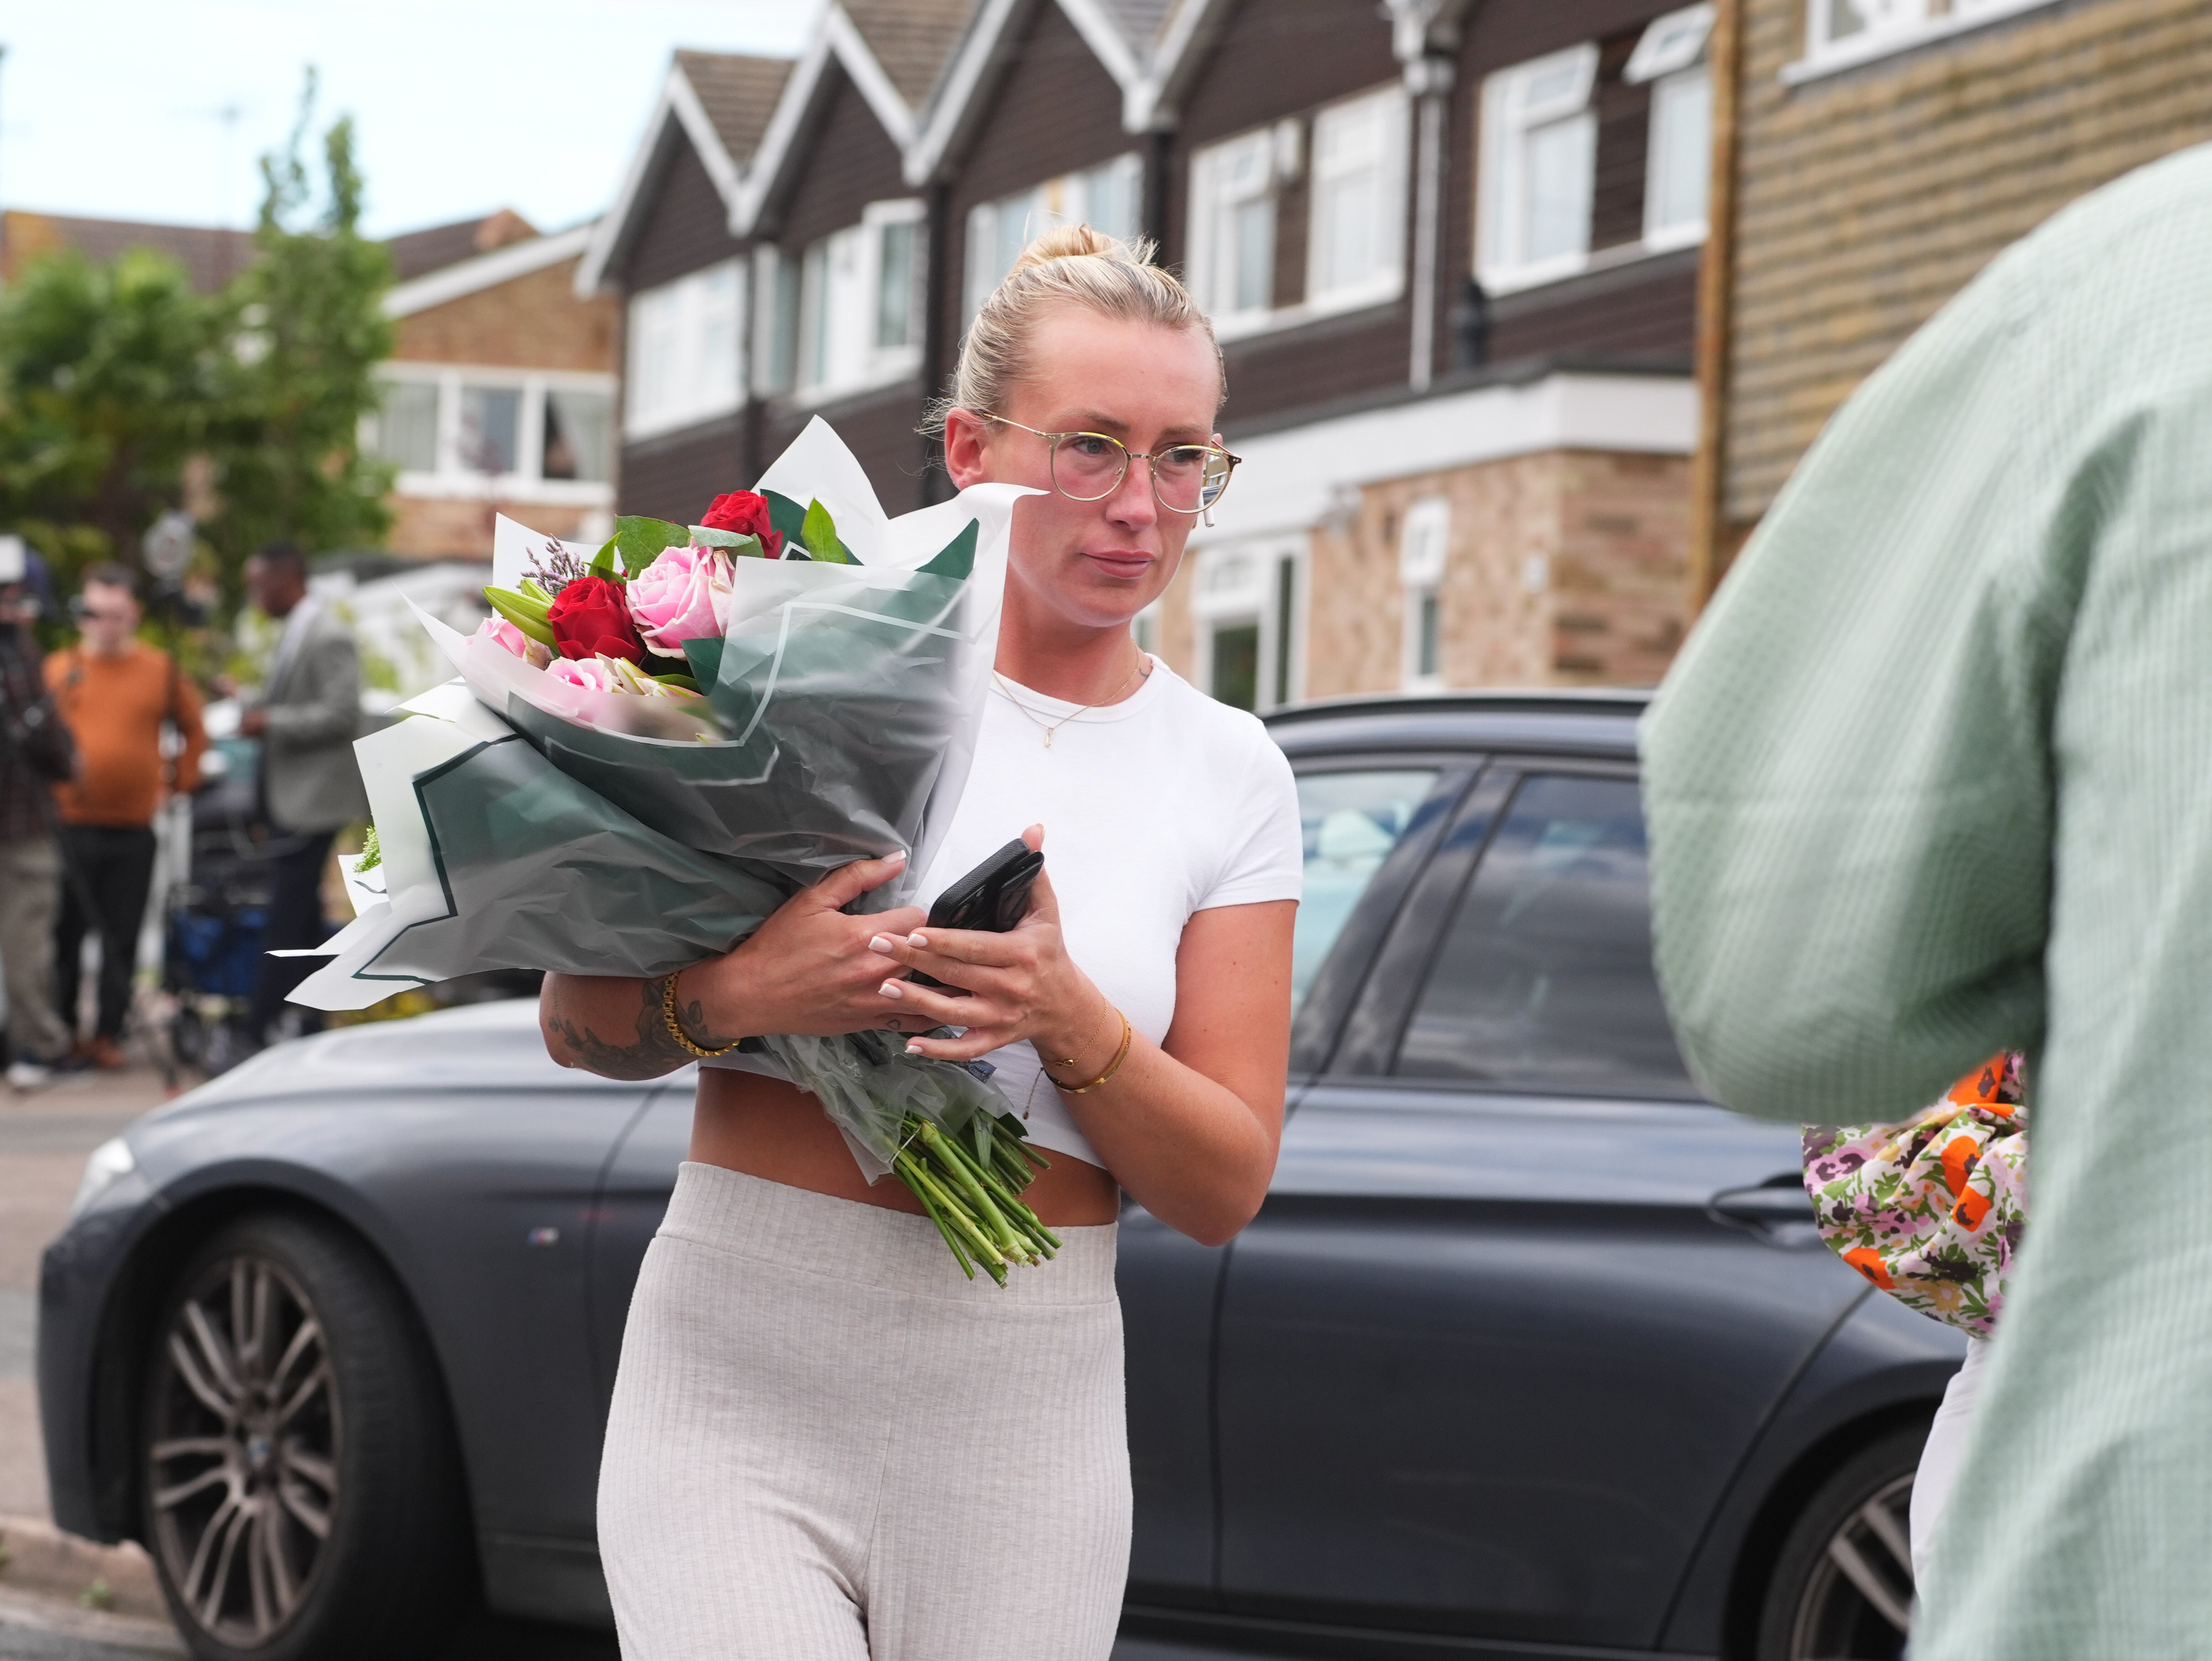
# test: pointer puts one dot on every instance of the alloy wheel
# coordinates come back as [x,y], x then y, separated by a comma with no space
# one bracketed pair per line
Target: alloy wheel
[242,1449]
[1858,1602]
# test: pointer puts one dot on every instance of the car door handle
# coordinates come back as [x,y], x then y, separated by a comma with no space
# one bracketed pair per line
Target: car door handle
[1779,1210]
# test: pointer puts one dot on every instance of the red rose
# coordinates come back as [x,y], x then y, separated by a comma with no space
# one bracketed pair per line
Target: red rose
[746,514]
[590,618]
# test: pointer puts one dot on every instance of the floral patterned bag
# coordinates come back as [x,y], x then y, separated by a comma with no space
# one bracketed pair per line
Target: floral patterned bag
[1931,1211]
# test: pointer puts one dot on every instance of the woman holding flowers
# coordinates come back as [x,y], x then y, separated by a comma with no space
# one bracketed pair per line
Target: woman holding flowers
[824,1443]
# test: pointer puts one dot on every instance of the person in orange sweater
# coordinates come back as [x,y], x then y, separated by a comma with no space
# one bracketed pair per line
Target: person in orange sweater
[115,693]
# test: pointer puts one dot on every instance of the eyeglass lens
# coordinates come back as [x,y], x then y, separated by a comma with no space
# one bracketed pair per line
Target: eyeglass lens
[1189,477]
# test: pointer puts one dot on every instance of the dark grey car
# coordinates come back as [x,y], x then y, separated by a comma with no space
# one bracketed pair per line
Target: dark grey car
[1530,1352]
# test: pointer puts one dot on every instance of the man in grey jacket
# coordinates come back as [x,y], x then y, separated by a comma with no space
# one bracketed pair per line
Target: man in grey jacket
[306,718]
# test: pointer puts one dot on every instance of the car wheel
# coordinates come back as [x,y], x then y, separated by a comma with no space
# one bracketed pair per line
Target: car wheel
[300,1491]
[1842,1588]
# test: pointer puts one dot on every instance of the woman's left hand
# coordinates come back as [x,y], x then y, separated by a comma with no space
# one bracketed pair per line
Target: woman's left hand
[1020,984]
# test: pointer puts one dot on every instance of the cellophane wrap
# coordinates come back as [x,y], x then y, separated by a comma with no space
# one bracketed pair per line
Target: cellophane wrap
[525,823]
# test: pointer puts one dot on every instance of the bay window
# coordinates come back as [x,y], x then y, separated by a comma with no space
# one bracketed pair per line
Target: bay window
[452,430]
[1249,607]
[685,356]
[1108,197]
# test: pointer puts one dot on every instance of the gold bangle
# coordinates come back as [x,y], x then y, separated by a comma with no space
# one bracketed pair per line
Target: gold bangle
[1112,1067]
[676,1027]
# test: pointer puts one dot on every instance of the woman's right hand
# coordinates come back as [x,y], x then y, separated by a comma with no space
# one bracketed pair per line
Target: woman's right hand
[807,969]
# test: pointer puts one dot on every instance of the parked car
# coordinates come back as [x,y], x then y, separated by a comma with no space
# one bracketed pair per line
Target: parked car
[1531,1350]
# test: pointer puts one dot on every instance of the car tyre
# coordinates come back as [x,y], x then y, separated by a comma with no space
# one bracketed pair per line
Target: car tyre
[1842,1587]
[300,1491]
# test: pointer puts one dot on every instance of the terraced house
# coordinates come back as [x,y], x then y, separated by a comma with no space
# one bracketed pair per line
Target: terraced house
[1878,157]
[1450,251]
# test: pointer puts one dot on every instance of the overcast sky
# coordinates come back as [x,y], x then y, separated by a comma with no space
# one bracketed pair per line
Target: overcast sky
[113,108]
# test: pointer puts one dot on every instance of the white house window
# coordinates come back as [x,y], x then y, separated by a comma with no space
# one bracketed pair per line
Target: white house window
[1423,550]
[686,361]
[455,431]
[1538,162]
[1356,242]
[1839,32]
[1249,610]
[1671,58]
[851,317]
[1107,197]
[1232,225]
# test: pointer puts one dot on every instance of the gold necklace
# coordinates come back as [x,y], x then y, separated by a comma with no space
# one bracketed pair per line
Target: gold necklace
[1144,668]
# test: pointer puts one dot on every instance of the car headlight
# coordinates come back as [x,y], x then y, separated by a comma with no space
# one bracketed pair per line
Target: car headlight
[111,1162]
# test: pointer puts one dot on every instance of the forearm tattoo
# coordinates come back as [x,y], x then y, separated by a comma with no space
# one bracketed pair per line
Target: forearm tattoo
[651,1051]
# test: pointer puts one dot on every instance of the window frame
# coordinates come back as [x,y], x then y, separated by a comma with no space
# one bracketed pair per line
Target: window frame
[826,309]
[1670,57]
[1502,265]
[1394,113]
[1826,52]
[1267,571]
[449,479]
[688,298]
[1424,562]
[1063,199]
[1210,222]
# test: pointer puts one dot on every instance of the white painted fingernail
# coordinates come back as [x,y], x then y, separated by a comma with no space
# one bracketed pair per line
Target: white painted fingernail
[896,857]
[912,1048]
[919,942]
[882,943]
[891,990]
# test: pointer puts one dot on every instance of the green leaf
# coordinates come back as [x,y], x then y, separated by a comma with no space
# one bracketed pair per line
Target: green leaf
[677,679]
[818,531]
[603,563]
[740,545]
[524,614]
[372,852]
[639,540]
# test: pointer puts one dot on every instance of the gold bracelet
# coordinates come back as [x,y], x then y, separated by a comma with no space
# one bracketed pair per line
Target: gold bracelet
[676,1027]
[1112,1067]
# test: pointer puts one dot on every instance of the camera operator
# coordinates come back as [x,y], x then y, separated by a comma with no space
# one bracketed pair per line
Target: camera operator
[117,694]
[35,754]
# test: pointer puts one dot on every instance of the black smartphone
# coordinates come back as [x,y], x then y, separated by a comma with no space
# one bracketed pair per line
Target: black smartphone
[992,898]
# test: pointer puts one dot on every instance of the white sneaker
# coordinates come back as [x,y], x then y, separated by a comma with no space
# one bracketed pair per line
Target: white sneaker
[29,1075]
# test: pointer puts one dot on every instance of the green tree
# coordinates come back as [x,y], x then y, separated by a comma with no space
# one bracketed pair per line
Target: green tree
[109,378]
[308,330]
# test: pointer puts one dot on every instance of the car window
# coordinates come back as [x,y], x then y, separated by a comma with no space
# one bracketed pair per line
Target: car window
[1351,821]
[1544,979]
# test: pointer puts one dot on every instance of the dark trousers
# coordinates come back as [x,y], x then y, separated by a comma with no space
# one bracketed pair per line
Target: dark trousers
[295,919]
[111,867]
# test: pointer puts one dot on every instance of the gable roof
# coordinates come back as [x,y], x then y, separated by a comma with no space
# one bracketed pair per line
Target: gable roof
[210,257]
[435,246]
[894,51]
[722,104]
[486,270]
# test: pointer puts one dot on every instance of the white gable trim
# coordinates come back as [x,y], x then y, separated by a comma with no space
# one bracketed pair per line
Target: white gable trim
[1105,40]
[678,102]
[486,270]
[836,38]
[953,112]
[1151,102]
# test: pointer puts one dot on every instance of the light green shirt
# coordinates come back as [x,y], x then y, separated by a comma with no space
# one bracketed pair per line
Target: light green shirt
[1934,777]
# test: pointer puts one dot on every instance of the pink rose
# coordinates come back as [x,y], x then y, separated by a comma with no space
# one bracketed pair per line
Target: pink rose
[684,595]
[587,672]
[508,638]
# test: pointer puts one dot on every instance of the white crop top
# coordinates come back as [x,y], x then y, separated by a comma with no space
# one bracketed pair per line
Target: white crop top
[1165,803]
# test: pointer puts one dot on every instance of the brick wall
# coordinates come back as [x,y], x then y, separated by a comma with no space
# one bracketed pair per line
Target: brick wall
[454,527]
[1567,567]
[1868,199]
[533,322]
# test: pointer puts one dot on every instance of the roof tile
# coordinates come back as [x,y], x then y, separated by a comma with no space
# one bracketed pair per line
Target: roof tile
[738,92]
[911,38]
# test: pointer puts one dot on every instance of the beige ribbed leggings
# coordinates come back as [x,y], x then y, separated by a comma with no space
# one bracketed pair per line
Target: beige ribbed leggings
[826,1446]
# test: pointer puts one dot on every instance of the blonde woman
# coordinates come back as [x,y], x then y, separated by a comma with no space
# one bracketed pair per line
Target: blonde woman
[825,1444]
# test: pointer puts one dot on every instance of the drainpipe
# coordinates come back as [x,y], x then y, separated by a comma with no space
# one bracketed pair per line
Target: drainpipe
[1716,309]
[1429,80]
[936,353]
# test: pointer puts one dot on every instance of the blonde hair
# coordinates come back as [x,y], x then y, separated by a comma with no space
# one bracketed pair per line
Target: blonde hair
[1068,266]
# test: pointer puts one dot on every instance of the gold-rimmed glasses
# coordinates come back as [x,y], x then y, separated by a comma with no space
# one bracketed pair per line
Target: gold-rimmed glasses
[1188,478]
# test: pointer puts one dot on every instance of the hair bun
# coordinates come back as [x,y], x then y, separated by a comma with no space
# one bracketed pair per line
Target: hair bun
[1070,242]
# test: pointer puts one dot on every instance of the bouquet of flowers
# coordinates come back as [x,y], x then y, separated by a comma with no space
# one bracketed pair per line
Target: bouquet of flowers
[651,745]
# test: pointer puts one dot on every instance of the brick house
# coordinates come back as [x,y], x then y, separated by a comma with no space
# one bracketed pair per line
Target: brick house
[1880,158]
[499,394]
[1450,252]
